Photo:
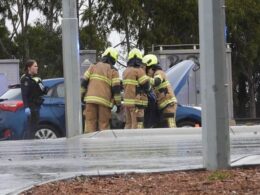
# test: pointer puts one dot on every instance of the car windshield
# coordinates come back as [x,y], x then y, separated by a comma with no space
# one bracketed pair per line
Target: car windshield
[12,94]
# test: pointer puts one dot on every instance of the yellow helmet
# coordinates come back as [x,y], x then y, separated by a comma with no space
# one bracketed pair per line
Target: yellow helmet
[150,60]
[135,53]
[112,52]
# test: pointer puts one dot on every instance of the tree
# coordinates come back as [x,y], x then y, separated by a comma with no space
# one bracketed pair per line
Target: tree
[47,50]
[51,9]
[6,45]
[122,16]
[18,12]
[93,33]
[244,34]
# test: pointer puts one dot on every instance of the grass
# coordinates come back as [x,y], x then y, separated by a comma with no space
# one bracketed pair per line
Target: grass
[219,175]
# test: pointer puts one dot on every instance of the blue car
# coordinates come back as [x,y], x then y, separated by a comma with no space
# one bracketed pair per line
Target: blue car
[13,122]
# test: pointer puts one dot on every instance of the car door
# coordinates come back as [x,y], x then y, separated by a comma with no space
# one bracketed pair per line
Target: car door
[56,99]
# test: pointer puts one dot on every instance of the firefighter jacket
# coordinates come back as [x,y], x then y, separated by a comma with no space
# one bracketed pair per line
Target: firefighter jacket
[163,90]
[101,85]
[136,85]
[32,90]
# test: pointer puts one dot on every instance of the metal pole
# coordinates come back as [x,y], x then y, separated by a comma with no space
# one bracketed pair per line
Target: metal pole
[215,129]
[70,45]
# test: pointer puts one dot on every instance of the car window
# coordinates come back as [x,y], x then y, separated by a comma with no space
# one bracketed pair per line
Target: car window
[58,91]
[50,91]
[12,94]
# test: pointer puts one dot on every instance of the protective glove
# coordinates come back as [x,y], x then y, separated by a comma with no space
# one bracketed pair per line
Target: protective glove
[114,109]
[27,111]
[46,89]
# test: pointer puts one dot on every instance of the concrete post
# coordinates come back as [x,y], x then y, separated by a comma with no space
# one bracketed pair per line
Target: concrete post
[214,95]
[70,44]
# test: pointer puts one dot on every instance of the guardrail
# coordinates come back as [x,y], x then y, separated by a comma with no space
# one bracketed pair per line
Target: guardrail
[247,121]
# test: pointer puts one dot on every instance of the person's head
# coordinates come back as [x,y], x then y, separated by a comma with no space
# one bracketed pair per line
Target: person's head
[31,67]
[110,55]
[135,57]
[151,63]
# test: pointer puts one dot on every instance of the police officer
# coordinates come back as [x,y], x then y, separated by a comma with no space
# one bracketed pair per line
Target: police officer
[136,86]
[166,100]
[100,89]
[32,91]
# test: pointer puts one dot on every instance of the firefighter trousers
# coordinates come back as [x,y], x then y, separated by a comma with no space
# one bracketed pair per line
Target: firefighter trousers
[97,117]
[134,118]
[169,114]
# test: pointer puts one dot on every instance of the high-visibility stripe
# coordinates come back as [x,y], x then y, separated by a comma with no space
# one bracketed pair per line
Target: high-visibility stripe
[140,125]
[95,99]
[129,101]
[101,78]
[115,81]
[130,82]
[171,123]
[162,85]
[36,79]
[141,102]
[86,75]
[117,98]
[158,76]
[166,102]
[82,90]
[151,81]
[135,102]
[142,79]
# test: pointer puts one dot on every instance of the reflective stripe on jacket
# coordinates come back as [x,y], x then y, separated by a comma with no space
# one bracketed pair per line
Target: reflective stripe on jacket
[134,78]
[101,79]
[163,91]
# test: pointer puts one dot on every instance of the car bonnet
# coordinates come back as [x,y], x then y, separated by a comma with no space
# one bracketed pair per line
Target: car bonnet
[179,74]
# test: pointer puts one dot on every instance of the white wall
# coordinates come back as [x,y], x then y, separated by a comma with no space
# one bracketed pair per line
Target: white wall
[10,68]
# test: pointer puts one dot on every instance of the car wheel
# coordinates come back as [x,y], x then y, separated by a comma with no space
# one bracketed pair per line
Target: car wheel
[187,124]
[46,132]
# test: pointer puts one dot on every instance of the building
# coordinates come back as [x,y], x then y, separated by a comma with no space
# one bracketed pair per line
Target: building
[9,73]
[87,57]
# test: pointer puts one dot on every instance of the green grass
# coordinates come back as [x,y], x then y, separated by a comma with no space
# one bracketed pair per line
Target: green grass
[219,175]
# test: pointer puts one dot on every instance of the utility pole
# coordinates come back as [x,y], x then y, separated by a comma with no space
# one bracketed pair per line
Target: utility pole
[214,94]
[70,45]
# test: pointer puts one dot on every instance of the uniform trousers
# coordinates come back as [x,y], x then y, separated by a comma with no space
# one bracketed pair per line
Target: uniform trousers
[169,115]
[33,120]
[97,117]
[134,118]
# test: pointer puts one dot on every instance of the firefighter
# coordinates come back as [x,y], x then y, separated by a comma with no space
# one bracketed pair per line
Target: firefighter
[136,85]
[100,90]
[166,100]
[32,90]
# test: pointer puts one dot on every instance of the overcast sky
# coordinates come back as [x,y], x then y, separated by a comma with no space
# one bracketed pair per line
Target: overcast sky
[114,37]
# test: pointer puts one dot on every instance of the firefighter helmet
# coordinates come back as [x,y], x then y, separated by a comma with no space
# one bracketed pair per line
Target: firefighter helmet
[150,60]
[135,53]
[112,52]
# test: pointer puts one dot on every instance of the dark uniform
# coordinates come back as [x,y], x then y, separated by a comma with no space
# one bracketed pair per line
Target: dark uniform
[32,91]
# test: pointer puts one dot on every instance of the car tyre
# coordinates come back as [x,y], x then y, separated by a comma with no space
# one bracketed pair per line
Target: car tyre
[46,132]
